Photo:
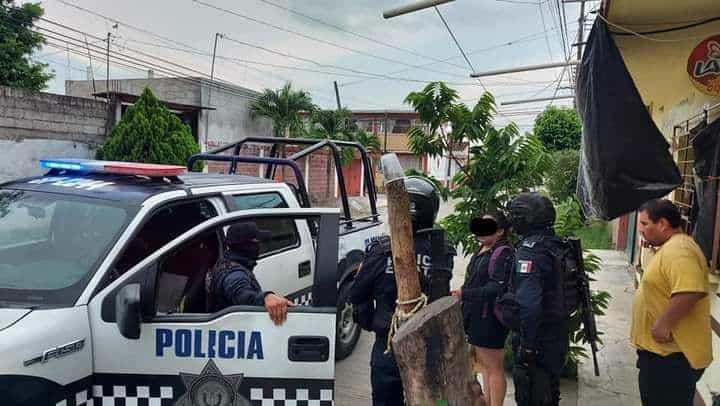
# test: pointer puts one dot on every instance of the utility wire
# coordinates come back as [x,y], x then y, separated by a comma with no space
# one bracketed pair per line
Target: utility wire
[457,43]
[547,39]
[527,38]
[365,37]
[319,40]
[644,35]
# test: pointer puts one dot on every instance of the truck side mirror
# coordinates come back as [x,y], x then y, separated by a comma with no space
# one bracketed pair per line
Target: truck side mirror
[127,311]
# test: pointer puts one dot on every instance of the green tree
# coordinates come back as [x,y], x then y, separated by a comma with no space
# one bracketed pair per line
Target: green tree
[562,178]
[337,125]
[501,162]
[332,125]
[283,107]
[17,43]
[150,133]
[559,128]
[368,140]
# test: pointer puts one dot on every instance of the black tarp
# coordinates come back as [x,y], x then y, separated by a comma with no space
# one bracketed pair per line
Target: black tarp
[706,146]
[625,160]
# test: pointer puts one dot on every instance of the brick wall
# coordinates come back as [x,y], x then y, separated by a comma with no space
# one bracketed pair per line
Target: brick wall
[316,174]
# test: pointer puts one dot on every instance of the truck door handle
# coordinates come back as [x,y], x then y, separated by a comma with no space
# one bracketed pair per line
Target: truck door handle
[304,269]
[308,349]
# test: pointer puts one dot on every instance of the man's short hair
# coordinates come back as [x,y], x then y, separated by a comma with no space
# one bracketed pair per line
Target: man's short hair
[657,209]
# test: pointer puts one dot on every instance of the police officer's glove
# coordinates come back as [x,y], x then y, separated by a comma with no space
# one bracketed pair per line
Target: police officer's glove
[526,356]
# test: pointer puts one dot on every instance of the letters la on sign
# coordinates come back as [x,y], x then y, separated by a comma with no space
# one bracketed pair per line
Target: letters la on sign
[704,65]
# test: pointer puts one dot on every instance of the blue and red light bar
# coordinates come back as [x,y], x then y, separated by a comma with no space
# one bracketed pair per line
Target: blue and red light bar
[110,167]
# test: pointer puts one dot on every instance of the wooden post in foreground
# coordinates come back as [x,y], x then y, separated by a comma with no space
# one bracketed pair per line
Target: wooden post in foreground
[430,348]
[401,235]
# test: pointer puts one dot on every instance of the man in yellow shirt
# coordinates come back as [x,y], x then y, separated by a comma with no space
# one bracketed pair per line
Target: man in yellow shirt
[671,311]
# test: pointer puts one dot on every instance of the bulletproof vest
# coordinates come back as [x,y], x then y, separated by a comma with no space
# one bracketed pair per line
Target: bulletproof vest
[214,279]
[430,282]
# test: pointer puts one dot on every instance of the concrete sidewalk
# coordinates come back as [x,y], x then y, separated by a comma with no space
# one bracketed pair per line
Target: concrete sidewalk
[617,383]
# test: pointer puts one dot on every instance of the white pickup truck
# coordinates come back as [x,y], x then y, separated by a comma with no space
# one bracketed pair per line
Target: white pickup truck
[102,296]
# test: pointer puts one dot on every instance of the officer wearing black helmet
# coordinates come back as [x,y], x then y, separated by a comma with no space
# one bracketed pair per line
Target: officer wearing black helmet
[374,291]
[540,339]
[231,281]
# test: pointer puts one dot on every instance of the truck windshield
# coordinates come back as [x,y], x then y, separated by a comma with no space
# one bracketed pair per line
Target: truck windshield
[50,245]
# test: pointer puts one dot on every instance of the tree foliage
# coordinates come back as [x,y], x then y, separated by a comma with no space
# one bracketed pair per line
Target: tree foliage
[559,128]
[283,107]
[150,133]
[501,162]
[17,43]
[562,178]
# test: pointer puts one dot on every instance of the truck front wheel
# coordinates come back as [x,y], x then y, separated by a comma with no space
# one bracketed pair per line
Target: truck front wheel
[348,332]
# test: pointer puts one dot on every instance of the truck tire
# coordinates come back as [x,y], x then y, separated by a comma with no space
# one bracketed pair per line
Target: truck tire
[348,332]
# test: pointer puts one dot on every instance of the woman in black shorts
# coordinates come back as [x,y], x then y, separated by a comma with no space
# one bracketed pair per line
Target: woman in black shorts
[485,280]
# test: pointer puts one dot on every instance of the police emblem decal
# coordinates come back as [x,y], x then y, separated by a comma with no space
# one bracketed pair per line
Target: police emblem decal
[211,388]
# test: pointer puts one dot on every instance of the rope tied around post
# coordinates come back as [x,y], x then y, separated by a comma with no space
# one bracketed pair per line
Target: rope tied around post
[401,316]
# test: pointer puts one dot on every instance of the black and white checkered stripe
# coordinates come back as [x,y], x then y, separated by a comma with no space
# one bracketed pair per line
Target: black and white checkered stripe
[304,299]
[289,397]
[80,399]
[132,395]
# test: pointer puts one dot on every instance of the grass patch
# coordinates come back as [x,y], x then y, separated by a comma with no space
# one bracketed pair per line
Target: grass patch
[595,235]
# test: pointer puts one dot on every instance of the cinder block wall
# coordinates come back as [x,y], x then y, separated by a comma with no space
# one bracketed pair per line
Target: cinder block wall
[35,125]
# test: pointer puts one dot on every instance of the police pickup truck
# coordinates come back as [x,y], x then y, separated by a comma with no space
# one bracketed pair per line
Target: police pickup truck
[102,274]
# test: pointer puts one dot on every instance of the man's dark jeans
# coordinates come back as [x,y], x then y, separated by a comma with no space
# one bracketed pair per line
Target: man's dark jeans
[666,381]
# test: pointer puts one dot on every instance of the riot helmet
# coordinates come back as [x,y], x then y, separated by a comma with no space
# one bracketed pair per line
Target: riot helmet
[531,211]
[424,201]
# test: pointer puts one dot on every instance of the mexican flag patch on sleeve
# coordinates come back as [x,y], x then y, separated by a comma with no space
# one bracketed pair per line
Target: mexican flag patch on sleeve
[524,267]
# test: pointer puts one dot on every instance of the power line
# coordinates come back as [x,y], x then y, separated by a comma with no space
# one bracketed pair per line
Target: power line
[365,37]
[457,43]
[134,62]
[322,41]
[152,34]
[366,74]
[527,38]
[314,62]
[547,39]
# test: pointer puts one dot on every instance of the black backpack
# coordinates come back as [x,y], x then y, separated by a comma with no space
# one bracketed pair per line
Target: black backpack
[567,286]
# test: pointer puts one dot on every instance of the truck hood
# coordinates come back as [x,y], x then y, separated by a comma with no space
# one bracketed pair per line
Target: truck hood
[9,316]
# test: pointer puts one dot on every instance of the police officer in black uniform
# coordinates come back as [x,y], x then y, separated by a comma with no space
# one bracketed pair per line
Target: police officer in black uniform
[541,341]
[374,291]
[232,282]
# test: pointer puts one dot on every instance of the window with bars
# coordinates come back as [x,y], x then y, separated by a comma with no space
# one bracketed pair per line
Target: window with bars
[684,195]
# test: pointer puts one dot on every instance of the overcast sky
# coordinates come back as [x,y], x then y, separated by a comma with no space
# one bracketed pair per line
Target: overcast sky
[483,27]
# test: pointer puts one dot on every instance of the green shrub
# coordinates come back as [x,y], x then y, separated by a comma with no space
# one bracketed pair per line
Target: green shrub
[561,179]
[150,133]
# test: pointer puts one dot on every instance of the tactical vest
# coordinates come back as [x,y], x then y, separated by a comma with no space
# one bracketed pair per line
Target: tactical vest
[217,275]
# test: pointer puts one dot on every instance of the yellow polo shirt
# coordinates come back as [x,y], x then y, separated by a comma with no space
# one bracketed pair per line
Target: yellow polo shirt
[678,266]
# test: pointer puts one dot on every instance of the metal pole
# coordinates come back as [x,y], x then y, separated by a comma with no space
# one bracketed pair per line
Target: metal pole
[507,103]
[92,69]
[581,30]
[212,78]
[409,8]
[107,72]
[386,133]
[337,94]
[524,69]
